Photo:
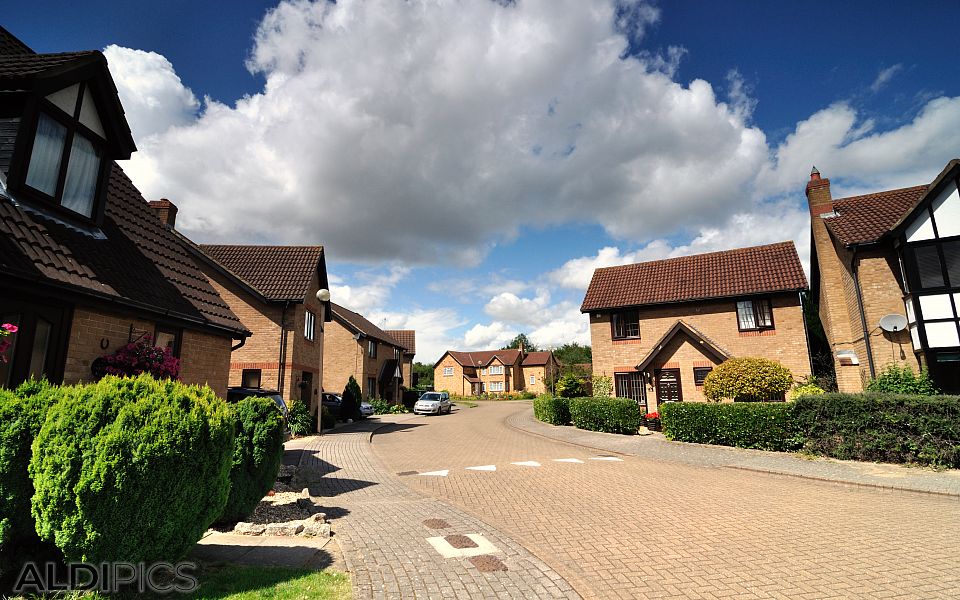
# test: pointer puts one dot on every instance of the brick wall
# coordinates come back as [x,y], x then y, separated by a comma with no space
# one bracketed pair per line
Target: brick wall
[455,384]
[539,385]
[345,356]
[715,319]
[204,357]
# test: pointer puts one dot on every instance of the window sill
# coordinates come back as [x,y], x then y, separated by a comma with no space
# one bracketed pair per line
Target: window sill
[758,332]
[625,341]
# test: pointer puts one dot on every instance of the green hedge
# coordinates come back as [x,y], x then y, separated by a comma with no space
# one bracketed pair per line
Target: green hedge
[762,425]
[21,415]
[552,409]
[880,427]
[610,415]
[257,452]
[131,469]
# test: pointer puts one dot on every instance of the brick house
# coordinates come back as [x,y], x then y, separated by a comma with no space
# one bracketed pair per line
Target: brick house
[273,289]
[85,265]
[658,328]
[493,372]
[407,339]
[895,252]
[357,347]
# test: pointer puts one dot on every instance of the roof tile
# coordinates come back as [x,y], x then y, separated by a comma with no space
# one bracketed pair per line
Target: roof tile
[867,218]
[406,337]
[277,272]
[359,323]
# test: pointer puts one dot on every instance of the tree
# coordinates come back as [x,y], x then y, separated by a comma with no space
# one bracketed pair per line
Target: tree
[522,338]
[571,385]
[573,354]
[423,375]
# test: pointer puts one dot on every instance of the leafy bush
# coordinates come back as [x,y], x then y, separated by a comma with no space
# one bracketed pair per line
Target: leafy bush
[747,380]
[299,419]
[611,415]
[902,380]
[526,395]
[380,406]
[806,389]
[571,385]
[887,428]
[21,415]
[257,452]
[602,386]
[131,469]
[327,420]
[139,356]
[762,425]
[350,403]
[551,409]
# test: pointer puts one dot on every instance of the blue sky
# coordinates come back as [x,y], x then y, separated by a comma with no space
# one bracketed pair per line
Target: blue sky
[467,164]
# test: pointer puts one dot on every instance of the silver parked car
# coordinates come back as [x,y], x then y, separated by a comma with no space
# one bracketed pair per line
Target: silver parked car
[433,403]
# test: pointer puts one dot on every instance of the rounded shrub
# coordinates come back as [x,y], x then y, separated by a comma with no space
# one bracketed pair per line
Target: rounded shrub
[552,409]
[131,469]
[610,415]
[257,453]
[299,418]
[21,415]
[806,389]
[748,380]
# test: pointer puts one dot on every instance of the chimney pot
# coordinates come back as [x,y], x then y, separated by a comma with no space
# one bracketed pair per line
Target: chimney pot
[166,211]
[815,174]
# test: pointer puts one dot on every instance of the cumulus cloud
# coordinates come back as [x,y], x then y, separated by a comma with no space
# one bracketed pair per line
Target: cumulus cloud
[383,126]
[435,329]
[884,77]
[154,98]
[367,290]
[491,336]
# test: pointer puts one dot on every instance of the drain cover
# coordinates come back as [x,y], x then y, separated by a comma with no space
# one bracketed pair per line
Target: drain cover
[436,524]
[460,542]
[487,563]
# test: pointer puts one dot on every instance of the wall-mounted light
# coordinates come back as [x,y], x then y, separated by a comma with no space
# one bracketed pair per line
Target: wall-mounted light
[323,295]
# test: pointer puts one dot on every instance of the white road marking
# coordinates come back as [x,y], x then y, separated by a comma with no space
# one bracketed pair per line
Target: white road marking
[527,463]
[568,460]
[483,468]
[484,546]
[442,473]
[609,458]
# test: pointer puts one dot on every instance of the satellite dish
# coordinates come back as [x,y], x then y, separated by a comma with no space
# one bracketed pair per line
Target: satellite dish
[893,323]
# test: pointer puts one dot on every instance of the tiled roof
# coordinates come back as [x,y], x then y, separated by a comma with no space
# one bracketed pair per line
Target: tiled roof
[865,219]
[406,337]
[482,358]
[536,359]
[359,323]
[277,272]
[9,44]
[137,261]
[744,271]
[15,69]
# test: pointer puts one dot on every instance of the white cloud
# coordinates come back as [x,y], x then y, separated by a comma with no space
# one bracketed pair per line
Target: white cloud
[154,98]
[371,290]
[507,306]
[434,329]
[884,77]
[485,337]
[383,126]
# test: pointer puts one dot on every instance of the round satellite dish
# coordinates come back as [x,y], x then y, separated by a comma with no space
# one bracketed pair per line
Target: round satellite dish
[893,322]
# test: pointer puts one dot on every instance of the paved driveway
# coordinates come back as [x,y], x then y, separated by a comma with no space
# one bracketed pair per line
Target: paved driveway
[617,526]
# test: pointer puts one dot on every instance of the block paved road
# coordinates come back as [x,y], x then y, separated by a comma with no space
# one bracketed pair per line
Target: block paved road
[642,528]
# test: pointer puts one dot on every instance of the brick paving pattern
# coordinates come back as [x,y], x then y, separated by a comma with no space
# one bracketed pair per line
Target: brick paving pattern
[645,528]
[380,525]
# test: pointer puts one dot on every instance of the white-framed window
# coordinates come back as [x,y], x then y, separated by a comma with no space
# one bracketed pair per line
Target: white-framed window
[496,370]
[448,371]
[496,386]
[533,379]
[483,371]
[310,326]
[372,348]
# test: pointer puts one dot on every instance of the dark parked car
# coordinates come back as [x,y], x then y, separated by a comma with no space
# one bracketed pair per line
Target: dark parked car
[236,394]
[333,403]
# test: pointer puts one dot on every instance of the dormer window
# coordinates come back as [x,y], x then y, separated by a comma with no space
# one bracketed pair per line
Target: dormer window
[66,155]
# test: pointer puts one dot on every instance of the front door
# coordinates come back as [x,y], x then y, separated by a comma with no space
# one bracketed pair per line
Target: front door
[668,386]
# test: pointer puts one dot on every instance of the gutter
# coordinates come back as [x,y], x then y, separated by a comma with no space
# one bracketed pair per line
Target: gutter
[863,316]
[283,348]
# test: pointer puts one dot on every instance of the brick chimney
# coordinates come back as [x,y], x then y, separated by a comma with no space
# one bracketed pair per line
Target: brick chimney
[818,194]
[166,211]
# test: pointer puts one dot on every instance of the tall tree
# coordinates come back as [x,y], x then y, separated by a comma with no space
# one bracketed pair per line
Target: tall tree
[528,346]
[574,353]
[423,373]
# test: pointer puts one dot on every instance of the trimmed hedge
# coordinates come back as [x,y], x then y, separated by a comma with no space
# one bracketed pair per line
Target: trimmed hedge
[21,415]
[747,379]
[761,425]
[131,469]
[552,409]
[610,415]
[882,427]
[257,453]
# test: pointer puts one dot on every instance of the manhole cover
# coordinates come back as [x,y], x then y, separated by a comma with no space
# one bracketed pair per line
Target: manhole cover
[402,473]
[436,524]
[460,542]
[487,563]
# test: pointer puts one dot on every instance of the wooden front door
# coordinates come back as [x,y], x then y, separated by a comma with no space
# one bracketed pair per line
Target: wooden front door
[668,386]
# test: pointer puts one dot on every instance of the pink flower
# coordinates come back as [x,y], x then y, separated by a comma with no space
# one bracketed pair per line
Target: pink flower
[10,328]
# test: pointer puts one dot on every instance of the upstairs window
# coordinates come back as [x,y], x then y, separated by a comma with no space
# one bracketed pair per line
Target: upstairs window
[447,371]
[626,325]
[496,370]
[753,315]
[371,348]
[310,326]
[66,155]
